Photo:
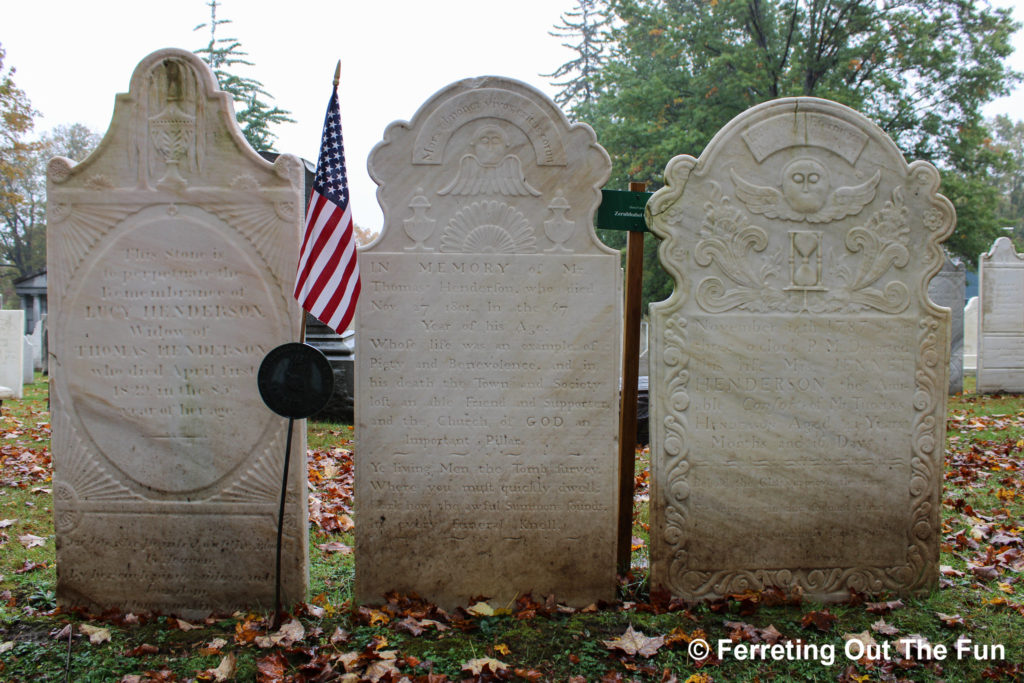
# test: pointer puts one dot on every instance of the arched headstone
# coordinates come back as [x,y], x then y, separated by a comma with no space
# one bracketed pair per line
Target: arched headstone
[798,371]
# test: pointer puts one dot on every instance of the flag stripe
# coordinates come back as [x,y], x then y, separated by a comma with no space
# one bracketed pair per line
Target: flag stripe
[327,276]
[326,238]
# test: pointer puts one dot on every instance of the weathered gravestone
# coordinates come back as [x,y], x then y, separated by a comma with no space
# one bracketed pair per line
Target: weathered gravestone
[12,350]
[947,289]
[798,370]
[487,356]
[1001,319]
[971,335]
[171,257]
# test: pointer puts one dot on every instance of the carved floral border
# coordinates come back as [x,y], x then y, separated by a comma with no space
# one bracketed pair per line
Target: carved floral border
[670,508]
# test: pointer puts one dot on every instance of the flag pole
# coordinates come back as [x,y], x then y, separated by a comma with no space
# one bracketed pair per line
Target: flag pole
[302,325]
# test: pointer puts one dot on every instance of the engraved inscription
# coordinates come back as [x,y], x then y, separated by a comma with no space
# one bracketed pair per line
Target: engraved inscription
[486,401]
[150,343]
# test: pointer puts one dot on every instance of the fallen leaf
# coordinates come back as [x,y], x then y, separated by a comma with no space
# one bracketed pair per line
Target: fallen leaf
[635,643]
[4,523]
[142,650]
[185,626]
[271,668]
[477,666]
[865,639]
[481,609]
[97,634]
[6,647]
[213,647]
[947,570]
[31,541]
[31,566]
[986,573]
[335,547]
[883,628]
[340,636]
[910,647]
[380,669]
[225,671]
[883,607]
[410,626]
[286,636]
[770,635]
[822,620]
[950,620]
[502,649]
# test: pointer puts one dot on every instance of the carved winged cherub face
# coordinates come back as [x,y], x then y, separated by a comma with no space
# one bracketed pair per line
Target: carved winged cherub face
[805,184]
[489,145]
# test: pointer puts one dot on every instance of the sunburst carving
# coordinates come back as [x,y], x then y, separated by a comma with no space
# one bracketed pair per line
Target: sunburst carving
[259,223]
[82,226]
[489,227]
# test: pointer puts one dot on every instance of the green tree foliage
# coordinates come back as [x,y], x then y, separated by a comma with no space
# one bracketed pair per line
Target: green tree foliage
[676,71]
[23,240]
[255,115]
[1008,137]
[17,158]
[587,30]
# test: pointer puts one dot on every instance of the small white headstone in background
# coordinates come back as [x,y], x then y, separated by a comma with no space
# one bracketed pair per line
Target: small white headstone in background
[947,289]
[971,335]
[28,372]
[1001,319]
[12,353]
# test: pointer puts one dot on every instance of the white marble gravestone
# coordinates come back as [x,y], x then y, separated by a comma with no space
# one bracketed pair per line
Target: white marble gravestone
[947,289]
[487,372]
[12,350]
[171,258]
[798,373]
[971,335]
[1001,319]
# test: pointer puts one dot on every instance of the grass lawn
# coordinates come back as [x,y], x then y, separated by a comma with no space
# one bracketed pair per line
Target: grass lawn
[970,629]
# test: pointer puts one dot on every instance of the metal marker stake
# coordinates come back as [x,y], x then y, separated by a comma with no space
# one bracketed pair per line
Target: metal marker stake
[280,525]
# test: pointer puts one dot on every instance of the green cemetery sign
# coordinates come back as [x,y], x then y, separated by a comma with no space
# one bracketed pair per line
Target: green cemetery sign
[622,210]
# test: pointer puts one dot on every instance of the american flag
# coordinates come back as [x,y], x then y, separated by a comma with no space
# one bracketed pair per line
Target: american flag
[327,283]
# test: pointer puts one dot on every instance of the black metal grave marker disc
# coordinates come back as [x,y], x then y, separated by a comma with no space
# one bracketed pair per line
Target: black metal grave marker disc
[295,380]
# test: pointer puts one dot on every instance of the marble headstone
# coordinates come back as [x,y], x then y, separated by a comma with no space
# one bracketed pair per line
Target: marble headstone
[171,257]
[488,336]
[27,371]
[798,372]
[36,337]
[12,354]
[947,289]
[971,335]
[1001,319]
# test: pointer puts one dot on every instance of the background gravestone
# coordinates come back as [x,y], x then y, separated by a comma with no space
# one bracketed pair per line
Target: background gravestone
[488,337]
[947,289]
[12,350]
[971,335]
[1001,319]
[798,372]
[171,257]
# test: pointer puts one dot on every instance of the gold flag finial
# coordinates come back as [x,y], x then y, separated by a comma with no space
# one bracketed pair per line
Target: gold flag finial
[337,74]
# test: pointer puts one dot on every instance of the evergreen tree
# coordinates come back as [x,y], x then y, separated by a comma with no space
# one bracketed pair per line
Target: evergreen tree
[590,31]
[254,114]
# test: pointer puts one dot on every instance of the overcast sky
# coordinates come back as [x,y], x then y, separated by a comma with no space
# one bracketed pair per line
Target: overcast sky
[73,57]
